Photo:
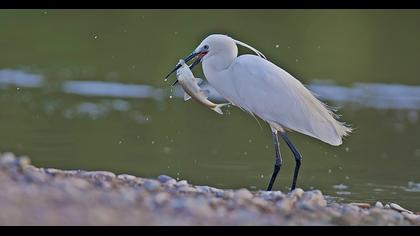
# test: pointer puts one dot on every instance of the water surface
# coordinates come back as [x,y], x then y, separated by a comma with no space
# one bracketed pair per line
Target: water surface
[85,90]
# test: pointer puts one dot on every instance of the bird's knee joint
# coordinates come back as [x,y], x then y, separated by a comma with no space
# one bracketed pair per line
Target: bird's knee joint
[298,159]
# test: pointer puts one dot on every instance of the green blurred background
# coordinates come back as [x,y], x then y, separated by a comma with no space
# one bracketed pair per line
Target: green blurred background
[162,135]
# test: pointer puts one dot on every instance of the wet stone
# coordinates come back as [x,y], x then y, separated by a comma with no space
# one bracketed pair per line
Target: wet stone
[285,205]
[379,205]
[361,205]
[243,194]
[126,177]
[24,162]
[162,198]
[399,208]
[298,192]
[7,158]
[181,183]
[203,189]
[164,178]
[52,171]
[151,185]
[103,175]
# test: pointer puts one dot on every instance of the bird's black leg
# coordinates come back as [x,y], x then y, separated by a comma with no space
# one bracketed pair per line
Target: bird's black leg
[298,157]
[278,162]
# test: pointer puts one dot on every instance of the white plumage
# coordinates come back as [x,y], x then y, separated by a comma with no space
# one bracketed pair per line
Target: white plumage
[264,89]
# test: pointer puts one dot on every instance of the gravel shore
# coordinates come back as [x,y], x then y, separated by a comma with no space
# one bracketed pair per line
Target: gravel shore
[45,196]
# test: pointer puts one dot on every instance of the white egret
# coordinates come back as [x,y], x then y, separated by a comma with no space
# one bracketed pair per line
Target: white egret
[261,88]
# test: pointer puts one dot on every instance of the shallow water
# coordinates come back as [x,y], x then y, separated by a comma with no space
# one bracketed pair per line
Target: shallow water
[85,90]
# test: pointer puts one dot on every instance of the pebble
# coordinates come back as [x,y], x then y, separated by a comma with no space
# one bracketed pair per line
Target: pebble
[361,205]
[399,208]
[181,183]
[151,185]
[7,158]
[285,204]
[242,194]
[71,172]
[379,204]
[225,194]
[162,197]
[186,189]
[203,189]
[298,192]
[411,217]
[126,177]
[170,182]
[387,206]
[314,198]
[52,171]
[103,175]
[24,162]
[164,178]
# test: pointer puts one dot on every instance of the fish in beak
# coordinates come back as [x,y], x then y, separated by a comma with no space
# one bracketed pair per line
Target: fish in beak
[196,54]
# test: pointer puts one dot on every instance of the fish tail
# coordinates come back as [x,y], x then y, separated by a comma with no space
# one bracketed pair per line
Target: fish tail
[218,108]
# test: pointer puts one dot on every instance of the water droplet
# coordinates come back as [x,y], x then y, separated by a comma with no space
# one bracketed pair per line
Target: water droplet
[165,80]
[170,97]
[250,140]
[262,176]
[277,46]
[347,177]
[17,88]
[245,153]
[169,167]
[329,170]
[266,146]
[166,150]
[153,142]
[95,37]
[177,173]
[297,60]
[177,179]
[347,149]
[120,142]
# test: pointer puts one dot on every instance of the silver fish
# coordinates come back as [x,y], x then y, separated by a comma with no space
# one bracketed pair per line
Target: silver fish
[192,90]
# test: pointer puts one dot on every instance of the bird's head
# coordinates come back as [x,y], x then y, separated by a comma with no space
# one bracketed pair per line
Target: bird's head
[210,46]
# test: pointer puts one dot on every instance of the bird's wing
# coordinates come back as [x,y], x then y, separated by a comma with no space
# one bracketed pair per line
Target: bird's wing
[276,96]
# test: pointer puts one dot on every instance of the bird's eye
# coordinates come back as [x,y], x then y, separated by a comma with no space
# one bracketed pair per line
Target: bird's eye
[206,47]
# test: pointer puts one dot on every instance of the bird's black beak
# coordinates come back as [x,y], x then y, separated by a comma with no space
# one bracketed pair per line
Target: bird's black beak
[187,59]
[199,55]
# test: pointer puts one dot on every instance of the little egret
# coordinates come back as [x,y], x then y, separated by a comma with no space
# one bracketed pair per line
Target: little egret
[258,86]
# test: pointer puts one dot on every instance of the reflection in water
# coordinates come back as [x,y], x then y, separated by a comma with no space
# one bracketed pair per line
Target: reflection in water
[19,78]
[380,96]
[412,187]
[96,110]
[99,88]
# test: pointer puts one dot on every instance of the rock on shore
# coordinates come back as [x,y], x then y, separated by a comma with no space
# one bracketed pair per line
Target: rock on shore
[46,196]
